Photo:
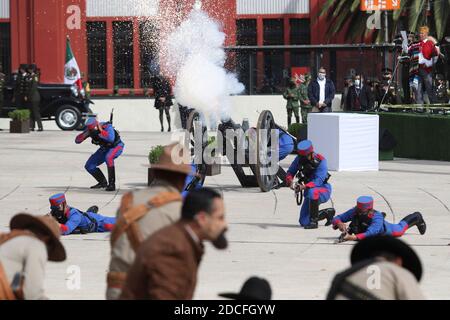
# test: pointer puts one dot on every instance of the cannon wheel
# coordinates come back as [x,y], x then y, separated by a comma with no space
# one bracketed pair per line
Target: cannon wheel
[264,144]
[190,128]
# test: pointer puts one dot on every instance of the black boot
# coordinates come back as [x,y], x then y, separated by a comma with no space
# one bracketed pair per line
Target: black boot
[313,214]
[297,119]
[327,214]
[416,219]
[112,179]
[93,209]
[99,176]
[169,121]
[289,121]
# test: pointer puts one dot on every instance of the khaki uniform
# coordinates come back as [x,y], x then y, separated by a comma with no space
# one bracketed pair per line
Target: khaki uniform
[303,96]
[122,253]
[28,255]
[395,282]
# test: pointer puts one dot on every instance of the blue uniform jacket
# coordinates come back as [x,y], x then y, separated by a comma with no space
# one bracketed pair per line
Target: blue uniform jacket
[286,145]
[77,219]
[318,177]
[378,225]
[108,134]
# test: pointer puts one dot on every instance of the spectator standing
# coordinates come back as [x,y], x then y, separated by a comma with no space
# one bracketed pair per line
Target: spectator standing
[321,92]
[428,51]
[163,99]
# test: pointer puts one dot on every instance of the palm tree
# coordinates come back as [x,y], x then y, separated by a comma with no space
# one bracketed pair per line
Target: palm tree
[346,16]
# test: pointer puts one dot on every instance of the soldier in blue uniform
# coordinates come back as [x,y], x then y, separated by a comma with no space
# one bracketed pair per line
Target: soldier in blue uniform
[367,222]
[74,221]
[313,167]
[111,147]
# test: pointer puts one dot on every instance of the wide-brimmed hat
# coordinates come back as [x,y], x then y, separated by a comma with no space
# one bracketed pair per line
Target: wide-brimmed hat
[369,247]
[253,289]
[180,164]
[43,225]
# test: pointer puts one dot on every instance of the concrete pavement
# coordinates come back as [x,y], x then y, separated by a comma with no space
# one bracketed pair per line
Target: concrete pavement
[265,239]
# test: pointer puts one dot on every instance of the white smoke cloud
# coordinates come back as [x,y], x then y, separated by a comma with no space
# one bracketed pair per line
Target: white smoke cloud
[196,56]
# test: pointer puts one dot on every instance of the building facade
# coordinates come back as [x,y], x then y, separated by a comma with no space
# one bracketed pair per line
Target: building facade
[115,41]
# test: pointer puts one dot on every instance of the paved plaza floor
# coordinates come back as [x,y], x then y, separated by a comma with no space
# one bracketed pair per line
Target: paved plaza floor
[265,239]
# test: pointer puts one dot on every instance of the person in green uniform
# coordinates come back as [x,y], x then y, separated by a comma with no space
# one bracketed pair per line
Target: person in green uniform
[303,97]
[33,97]
[292,95]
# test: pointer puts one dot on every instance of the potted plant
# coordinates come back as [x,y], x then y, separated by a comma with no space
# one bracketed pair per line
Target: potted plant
[20,121]
[153,157]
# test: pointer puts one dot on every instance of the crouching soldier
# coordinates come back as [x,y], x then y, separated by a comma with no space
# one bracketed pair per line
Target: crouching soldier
[312,170]
[74,221]
[367,222]
[23,255]
[111,147]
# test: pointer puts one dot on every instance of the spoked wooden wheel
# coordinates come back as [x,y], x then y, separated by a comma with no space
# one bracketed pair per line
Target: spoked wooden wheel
[195,123]
[264,175]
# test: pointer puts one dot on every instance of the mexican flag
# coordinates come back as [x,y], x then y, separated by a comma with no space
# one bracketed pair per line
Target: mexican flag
[71,70]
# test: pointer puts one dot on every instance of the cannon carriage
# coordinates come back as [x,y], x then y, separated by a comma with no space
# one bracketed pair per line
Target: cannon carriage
[248,151]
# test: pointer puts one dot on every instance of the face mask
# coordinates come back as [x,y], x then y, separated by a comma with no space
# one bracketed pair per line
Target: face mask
[221,242]
[357,83]
[321,76]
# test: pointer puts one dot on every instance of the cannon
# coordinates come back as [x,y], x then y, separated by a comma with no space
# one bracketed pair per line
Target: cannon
[251,174]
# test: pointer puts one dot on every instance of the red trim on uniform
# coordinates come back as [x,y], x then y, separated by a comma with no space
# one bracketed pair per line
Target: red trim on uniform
[306,152]
[317,192]
[310,185]
[110,158]
[63,228]
[289,179]
[400,233]
[104,134]
[361,236]
[365,206]
[320,157]
[336,222]
[108,226]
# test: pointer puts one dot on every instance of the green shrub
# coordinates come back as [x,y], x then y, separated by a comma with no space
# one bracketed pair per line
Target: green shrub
[295,128]
[155,153]
[20,114]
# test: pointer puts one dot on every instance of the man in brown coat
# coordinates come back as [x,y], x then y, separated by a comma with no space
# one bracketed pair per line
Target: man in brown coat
[144,212]
[166,264]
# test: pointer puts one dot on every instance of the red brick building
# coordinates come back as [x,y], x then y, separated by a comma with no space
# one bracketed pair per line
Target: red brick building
[114,40]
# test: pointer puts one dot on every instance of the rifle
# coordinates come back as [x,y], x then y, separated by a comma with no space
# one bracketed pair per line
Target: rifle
[298,192]
[111,117]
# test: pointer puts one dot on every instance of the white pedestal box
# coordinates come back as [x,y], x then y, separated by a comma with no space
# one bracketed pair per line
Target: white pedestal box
[348,141]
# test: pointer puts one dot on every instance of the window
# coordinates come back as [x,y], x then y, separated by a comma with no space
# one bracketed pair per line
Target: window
[96,37]
[123,54]
[246,61]
[246,32]
[273,32]
[5,47]
[149,66]
[300,31]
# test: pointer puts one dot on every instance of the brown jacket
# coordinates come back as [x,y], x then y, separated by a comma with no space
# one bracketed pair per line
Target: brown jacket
[122,254]
[166,266]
